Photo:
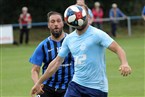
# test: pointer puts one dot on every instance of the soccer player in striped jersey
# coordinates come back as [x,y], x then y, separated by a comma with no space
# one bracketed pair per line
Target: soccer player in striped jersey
[87,45]
[45,52]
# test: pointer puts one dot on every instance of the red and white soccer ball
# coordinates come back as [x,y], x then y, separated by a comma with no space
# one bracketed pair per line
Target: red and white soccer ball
[75,16]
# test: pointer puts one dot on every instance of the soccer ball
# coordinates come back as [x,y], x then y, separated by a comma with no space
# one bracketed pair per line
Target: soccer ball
[75,16]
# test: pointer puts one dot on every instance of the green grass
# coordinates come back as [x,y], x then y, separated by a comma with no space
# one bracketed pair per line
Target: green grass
[133,85]
[15,69]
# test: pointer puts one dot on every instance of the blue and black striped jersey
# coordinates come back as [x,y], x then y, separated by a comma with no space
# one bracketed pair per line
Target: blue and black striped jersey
[46,51]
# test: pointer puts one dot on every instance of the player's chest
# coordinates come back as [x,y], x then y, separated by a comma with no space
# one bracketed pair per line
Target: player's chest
[81,45]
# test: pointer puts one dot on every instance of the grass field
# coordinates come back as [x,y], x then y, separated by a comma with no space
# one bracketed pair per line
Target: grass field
[15,69]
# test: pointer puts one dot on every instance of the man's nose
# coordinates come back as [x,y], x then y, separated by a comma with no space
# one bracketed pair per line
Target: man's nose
[56,23]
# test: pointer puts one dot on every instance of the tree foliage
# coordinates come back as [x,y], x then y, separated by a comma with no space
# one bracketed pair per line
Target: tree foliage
[10,9]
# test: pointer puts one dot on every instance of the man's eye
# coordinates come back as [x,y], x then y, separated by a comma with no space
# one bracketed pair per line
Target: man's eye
[52,21]
[58,20]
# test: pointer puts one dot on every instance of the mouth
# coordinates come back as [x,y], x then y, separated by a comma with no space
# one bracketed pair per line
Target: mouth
[56,29]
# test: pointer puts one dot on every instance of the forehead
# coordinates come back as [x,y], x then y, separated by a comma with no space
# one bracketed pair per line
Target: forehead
[80,0]
[55,17]
[24,10]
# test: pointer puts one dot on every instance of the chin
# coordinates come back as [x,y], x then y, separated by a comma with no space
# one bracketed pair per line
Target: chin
[82,27]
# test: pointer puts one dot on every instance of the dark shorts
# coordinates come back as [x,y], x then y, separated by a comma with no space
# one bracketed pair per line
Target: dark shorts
[76,90]
[52,92]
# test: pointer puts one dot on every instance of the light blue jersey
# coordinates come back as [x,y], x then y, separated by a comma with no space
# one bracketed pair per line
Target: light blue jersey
[88,50]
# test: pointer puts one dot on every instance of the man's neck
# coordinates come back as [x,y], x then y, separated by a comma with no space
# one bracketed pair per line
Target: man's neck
[59,38]
[80,32]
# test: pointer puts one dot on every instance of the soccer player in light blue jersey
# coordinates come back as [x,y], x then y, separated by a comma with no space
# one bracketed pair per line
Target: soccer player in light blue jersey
[87,45]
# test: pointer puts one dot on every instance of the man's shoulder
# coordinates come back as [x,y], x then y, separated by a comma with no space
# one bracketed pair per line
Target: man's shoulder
[28,14]
[118,10]
[71,34]
[21,15]
[96,32]
[44,41]
[111,10]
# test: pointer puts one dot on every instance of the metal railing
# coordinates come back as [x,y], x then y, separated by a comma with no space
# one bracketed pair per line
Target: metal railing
[128,18]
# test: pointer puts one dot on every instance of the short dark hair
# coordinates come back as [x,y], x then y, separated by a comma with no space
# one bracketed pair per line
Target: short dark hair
[53,13]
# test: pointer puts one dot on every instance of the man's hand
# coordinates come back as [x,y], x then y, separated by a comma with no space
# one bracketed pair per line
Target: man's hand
[37,89]
[125,69]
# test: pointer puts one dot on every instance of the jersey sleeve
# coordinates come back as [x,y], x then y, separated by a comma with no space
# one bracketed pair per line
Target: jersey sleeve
[143,11]
[105,39]
[121,14]
[38,56]
[64,49]
[110,13]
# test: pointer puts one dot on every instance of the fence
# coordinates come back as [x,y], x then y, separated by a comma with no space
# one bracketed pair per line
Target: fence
[129,18]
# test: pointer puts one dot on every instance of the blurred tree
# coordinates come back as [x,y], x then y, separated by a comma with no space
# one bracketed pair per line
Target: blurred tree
[10,9]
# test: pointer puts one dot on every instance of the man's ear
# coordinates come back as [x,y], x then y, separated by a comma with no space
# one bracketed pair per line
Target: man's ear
[48,25]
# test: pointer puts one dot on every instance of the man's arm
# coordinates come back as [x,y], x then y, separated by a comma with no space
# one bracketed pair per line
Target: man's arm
[143,16]
[35,73]
[124,68]
[20,21]
[51,69]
